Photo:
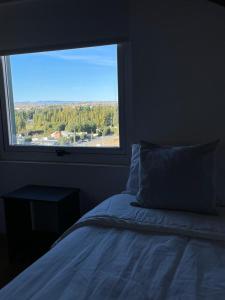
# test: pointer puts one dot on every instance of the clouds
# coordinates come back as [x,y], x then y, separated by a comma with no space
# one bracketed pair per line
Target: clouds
[99,60]
[70,75]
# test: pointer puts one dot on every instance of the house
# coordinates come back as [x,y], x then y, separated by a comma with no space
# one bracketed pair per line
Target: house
[56,135]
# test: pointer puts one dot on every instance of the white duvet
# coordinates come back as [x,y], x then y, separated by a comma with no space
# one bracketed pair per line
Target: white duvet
[117,251]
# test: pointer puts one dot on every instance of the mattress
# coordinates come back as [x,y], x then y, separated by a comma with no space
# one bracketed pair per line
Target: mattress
[117,251]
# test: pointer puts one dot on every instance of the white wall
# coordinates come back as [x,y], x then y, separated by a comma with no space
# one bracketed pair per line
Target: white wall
[28,24]
[178,93]
[178,70]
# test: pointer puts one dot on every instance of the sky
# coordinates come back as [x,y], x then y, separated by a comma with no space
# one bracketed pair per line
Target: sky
[85,74]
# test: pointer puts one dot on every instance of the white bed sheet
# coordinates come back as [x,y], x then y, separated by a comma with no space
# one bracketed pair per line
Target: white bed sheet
[122,252]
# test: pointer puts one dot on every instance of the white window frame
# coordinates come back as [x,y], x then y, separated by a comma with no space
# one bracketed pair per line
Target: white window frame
[82,154]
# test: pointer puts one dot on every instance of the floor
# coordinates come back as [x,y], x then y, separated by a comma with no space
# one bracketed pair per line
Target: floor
[8,270]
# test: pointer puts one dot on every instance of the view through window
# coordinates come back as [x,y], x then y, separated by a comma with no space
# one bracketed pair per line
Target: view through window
[65,98]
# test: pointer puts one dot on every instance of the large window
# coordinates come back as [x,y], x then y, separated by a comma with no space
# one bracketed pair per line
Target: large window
[64,98]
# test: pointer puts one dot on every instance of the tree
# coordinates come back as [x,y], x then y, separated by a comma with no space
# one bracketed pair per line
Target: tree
[61,127]
[100,119]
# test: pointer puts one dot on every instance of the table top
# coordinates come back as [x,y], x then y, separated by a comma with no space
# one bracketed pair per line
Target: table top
[41,193]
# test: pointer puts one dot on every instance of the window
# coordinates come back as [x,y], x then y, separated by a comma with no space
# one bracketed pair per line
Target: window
[63,98]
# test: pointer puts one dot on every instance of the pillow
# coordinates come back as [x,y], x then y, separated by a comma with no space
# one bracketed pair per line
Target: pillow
[132,185]
[179,178]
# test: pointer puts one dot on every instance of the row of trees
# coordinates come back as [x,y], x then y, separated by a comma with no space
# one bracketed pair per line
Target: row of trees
[101,119]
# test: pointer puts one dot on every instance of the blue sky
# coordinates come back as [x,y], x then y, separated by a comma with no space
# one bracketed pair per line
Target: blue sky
[86,74]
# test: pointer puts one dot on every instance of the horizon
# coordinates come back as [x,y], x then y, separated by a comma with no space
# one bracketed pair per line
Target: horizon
[64,101]
[74,75]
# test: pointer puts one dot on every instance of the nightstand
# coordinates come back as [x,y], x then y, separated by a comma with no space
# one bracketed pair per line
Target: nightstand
[36,216]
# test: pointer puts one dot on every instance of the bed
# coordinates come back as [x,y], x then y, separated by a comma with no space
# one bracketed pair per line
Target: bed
[117,251]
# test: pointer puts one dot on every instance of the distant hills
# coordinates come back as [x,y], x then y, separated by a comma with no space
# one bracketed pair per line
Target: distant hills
[74,103]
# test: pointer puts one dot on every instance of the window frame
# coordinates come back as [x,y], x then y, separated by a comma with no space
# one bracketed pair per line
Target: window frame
[76,154]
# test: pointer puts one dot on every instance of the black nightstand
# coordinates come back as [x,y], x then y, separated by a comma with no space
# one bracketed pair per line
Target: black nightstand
[36,216]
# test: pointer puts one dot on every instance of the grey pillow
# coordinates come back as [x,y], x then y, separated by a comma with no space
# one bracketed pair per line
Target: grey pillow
[179,178]
[132,185]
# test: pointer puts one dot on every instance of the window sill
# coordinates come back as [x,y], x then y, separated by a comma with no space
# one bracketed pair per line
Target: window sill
[76,156]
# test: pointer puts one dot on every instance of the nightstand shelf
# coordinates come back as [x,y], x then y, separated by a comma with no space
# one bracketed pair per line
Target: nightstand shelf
[36,216]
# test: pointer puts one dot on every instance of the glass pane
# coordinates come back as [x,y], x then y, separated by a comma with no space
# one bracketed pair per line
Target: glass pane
[65,98]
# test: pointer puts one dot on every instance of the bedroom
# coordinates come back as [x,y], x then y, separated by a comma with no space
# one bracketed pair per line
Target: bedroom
[175,91]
